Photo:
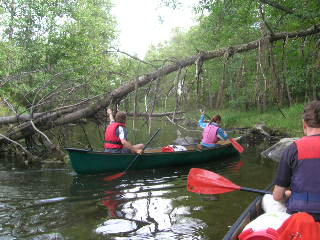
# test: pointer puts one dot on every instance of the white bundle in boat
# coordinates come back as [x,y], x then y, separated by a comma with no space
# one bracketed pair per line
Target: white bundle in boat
[178,148]
[174,148]
[275,214]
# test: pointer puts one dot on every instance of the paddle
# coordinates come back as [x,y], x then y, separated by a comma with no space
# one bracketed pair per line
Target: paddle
[118,175]
[234,143]
[206,182]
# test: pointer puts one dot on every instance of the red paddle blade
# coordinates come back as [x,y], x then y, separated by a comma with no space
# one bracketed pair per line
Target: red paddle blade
[115,176]
[206,182]
[236,145]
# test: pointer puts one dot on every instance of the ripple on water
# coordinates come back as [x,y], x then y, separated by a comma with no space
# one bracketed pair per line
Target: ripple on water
[116,226]
[188,226]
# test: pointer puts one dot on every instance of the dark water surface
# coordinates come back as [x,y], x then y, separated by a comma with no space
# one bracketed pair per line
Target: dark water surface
[147,204]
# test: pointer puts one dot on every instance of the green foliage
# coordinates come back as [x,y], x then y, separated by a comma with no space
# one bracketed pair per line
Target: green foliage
[51,45]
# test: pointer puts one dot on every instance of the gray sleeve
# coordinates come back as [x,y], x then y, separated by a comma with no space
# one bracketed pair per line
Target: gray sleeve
[122,133]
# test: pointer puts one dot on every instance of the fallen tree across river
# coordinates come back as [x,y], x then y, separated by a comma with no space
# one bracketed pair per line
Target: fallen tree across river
[27,125]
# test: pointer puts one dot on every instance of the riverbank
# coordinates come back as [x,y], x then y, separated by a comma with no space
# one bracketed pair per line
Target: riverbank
[289,120]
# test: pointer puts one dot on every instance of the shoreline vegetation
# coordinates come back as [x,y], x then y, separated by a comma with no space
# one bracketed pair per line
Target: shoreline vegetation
[290,123]
[287,121]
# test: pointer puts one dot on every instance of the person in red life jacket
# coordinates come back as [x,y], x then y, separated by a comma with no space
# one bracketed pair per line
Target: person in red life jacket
[212,132]
[297,181]
[116,136]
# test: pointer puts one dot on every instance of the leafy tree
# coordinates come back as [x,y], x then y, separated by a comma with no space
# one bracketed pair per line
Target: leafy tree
[58,45]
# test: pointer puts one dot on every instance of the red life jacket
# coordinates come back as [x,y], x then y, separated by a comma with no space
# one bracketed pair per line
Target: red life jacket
[299,226]
[305,184]
[308,147]
[110,137]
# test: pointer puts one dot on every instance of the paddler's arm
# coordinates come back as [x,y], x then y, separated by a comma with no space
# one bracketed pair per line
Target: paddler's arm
[202,122]
[222,134]
[282,181]
[128,145]
[109,112]
[111,118]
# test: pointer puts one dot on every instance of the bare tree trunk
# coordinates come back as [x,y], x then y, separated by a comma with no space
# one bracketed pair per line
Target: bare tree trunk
[278,85]
[257,84]
[220,97]
[285,72]
[135,106]
[176,83]
[154,101]
[239,75]
[199,70]
[210,93]
[262,63]
[182,86]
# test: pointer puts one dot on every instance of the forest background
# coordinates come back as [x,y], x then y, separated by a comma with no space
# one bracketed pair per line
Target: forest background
[249,60]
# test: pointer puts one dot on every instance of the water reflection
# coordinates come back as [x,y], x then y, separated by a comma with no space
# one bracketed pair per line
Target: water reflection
[148,204]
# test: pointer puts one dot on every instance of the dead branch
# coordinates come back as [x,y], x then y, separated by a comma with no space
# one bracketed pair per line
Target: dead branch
[133,57]
[45,136]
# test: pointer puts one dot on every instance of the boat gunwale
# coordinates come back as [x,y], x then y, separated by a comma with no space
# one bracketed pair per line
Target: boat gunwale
[89,151]
[251,212]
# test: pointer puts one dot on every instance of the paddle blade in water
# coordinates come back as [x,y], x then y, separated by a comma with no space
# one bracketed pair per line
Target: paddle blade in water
[236,145]
[206,182]
[115,176]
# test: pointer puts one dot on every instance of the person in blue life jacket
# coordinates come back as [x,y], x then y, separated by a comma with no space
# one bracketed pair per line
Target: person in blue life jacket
[212,132]
[297,181]
[116,136]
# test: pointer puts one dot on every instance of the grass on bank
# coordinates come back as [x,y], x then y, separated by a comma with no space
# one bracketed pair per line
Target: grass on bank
[291,123]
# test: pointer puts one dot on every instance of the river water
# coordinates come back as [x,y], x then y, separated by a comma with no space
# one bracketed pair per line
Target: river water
[147,204]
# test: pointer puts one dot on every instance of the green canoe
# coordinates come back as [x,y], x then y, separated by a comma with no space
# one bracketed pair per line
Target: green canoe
[93,162]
